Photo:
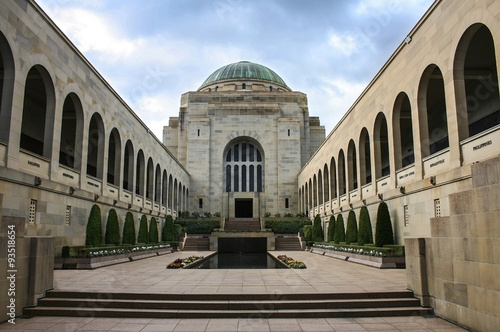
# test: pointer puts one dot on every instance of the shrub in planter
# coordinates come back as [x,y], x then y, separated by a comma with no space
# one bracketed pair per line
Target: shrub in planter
[318,234]
[153,231]
[178,230]
[94,227]
[383,226]
[351,234]
[167,233]
[129,229]
[331,229]
[307,230]
[339,229]
[112,235]
[143,236]
[365,233]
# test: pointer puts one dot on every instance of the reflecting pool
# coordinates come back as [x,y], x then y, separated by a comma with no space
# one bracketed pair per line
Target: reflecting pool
[257,260]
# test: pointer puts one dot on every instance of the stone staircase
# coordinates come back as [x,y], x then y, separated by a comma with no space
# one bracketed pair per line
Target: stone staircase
[242,224]
[287,243]
[197,243]
[307,305]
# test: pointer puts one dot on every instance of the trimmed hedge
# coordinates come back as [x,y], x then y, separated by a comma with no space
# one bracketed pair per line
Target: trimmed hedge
[331,229]
[143,236]
[308,233]
[351,234]
[339,229]
[286,226]
[178,230]
[365,233]
[318,234]
[153,231]
[129,229]
[112,235]
[167,233]
[198,226]
[93,233]
[383,227]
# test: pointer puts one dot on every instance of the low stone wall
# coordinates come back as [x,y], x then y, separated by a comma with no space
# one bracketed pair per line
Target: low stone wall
[88,263]
[378,262]
[457,269]
[30,271]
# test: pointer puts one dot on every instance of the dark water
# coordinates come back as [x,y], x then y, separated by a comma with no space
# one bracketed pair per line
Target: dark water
[260,260]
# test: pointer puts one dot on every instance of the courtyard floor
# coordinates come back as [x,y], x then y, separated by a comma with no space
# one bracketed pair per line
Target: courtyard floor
[323,274]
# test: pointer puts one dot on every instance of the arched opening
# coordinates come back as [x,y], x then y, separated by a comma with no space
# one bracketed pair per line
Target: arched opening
[128,167]
[306,199]
[95,148]
[315,192]
[140,168]
[158,184]
[164,189]
[403,132]
[170,191]
[365,167]
[243,167]
[381,140]
[310,194]
[38,113]
[333,178]
[476,82]
[352,166]
[175,207]
[70,151]
[114,153]
[342,175]
[7,73]
[150,179]
[326,184]
[320,187]
[432,112]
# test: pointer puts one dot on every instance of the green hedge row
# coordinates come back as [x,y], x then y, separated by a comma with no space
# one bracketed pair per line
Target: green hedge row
[198,226]
[287,226]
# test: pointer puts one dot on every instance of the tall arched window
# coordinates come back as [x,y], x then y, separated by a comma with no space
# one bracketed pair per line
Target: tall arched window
[158,184]
[243,168]
[342,175]
[139,175]
[352,166]
[326,184]
[38,112]
[70,150]
[95,149]
[150,180]
[381,140]
[114,153]
[164,189]
[333,178]
[365,168]
[128,167]
[476,79]
[432,112]
[403,132]
[7,72]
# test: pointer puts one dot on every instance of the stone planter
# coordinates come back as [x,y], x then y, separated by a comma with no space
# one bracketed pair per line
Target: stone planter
[89,263]
[373,261]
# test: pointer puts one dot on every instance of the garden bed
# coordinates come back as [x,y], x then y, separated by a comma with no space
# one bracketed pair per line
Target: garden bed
[87,258]
[391,257]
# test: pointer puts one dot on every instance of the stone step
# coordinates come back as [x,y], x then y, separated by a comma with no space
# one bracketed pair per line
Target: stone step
[197,244]
[67,303]
[287,243]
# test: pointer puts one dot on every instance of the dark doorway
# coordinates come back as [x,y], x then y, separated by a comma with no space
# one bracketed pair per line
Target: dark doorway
[243,208]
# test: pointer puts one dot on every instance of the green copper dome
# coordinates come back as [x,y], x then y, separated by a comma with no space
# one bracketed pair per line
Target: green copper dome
[244,70]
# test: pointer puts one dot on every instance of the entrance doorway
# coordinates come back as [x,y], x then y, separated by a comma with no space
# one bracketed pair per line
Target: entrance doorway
[243,208]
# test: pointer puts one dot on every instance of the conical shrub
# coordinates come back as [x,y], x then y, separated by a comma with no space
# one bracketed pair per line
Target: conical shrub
[167,233]
[143,235]
[318,234]
[351,234]
[339,229]
[94,227]
[383,227]
[112,235]
[129,229]
[365,233]
[153,231]
[331,229]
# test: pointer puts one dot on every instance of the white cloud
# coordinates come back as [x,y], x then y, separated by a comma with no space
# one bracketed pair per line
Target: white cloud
[345,44]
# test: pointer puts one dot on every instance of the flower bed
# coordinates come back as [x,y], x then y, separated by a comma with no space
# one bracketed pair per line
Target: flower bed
[291,263]
[389,257]
[180,263]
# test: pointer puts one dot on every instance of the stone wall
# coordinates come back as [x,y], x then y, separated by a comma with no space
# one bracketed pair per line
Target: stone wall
[456,270]
[27,278]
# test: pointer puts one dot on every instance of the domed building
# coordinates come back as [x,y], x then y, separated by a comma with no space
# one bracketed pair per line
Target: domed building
[244,135]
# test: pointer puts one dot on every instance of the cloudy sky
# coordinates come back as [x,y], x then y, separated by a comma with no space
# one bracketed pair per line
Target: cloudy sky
[152,51]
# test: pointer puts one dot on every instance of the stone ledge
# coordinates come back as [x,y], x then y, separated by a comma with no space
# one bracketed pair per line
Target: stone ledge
[89,263]
[377,262]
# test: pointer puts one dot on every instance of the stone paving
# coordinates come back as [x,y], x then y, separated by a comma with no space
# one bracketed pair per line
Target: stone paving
[323,274]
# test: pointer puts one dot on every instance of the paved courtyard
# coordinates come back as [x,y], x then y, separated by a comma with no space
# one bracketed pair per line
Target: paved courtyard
[323,274]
